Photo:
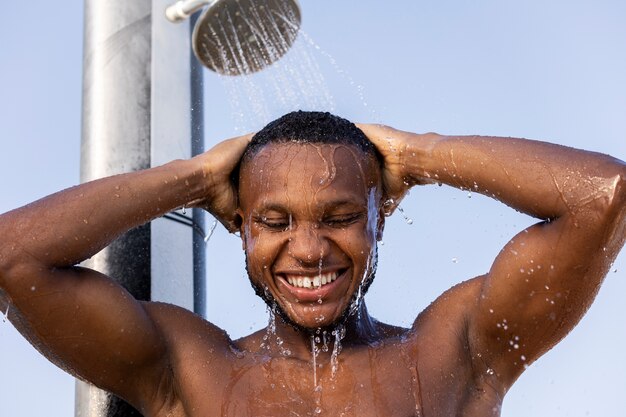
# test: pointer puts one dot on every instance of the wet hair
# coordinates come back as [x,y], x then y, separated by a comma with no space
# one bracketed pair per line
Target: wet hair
[309,127]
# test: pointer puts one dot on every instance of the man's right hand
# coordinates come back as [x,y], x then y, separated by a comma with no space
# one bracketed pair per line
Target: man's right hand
[218,164]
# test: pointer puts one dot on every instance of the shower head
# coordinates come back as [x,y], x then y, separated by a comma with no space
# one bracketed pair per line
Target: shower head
[235,37]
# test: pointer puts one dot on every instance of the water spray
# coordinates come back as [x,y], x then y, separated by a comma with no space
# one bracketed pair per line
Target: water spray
[234,37]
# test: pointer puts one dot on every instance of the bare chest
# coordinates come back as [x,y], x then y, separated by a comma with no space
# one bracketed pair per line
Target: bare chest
[386,380]
[368,383]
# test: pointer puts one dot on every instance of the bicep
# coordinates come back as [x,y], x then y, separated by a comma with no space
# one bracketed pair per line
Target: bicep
[537,290]
[90,326]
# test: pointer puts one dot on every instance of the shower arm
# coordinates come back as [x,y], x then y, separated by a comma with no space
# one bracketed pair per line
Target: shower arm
[182,9]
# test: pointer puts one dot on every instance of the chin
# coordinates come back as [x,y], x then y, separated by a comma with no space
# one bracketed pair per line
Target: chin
[312,322]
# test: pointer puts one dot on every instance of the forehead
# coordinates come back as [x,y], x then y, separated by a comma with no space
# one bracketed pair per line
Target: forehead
[287,173]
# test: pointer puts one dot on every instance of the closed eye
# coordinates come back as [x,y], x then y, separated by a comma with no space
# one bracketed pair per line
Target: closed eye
[343,219]
[273,223]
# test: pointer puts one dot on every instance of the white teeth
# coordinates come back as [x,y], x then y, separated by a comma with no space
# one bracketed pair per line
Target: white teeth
[312,282]
[317,281]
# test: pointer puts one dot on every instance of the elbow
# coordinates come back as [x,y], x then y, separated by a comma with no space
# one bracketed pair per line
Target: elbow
[14,262]
[618,200]
[5,265]
[8,262]
[614,208]
[617,216]
[15,265]
[604,203]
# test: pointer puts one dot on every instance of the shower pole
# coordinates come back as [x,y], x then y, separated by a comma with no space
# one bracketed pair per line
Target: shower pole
[142,106]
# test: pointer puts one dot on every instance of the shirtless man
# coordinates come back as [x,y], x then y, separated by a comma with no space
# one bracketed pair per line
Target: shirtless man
[310,204]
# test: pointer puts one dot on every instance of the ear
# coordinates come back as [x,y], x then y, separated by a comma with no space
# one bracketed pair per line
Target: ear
[380,226]
[238,221]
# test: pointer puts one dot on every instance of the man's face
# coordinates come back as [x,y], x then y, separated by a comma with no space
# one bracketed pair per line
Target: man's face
[311,217]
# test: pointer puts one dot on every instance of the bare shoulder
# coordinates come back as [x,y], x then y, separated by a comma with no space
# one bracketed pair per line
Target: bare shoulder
[181,328]
[439,333]
[442,329]
[450,371]
[198,354]
[449,312]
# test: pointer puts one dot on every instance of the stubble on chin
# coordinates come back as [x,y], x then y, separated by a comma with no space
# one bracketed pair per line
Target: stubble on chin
[347,312]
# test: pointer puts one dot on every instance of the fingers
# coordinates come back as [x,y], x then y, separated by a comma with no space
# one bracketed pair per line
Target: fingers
[375,132]
[392,199]
[227,154]
[218,163]
[389,143]
[230,224]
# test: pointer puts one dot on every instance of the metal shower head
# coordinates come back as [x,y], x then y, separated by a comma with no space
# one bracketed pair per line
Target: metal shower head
[235,37]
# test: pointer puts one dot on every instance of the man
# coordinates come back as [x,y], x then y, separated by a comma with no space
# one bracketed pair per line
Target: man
[309,198]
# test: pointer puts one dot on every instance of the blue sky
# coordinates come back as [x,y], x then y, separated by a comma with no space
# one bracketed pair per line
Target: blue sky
[553,71]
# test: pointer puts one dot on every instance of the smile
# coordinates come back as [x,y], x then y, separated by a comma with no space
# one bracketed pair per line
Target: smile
[315,281]
[312,286]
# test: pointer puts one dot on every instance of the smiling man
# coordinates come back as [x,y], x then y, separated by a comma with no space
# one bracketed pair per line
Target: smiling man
[310,216]
[309,194]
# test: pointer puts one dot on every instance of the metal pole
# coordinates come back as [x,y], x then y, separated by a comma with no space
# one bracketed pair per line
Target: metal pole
[197,147]
[137,98]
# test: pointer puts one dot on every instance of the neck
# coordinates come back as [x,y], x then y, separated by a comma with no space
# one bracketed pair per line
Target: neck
[359,328]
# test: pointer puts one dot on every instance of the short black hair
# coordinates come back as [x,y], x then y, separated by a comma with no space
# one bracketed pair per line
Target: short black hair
[309,127]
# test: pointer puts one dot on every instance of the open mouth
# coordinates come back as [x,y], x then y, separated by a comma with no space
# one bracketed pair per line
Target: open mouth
[316,281]
[311,287]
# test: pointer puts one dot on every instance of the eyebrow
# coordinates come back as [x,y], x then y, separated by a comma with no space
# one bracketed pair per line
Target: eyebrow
[327,206]
[270,207]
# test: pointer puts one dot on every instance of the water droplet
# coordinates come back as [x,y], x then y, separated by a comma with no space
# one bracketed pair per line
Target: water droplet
[455,260]
[324,341]
[407,219]
[490,371]
[6,313]
[339,333]
[314,353]
[210,231]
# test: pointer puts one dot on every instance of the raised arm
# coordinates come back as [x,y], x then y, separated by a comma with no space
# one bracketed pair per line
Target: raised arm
[546,277]
[81,319]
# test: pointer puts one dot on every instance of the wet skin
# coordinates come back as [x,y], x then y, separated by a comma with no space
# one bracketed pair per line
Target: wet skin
[310,211]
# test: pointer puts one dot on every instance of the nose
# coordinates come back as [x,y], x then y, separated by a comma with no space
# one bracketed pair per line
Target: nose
[308,245]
